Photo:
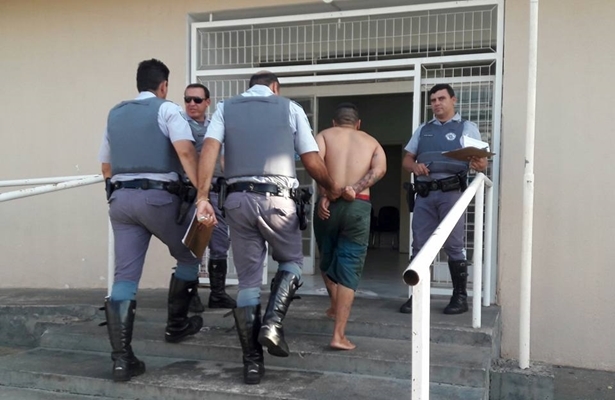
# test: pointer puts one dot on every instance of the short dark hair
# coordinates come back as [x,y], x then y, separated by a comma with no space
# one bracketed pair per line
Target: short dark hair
[266,78]
[345,114]
[442,86]
[150,74]
[198,86]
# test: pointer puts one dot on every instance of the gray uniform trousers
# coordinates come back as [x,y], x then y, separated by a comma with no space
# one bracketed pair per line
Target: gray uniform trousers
[428,213]
[256,218]
[220,241]
[138,214]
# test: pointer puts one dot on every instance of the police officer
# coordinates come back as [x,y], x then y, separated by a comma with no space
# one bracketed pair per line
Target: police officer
[261,132]
[147,146]
[196,99]
[439,183]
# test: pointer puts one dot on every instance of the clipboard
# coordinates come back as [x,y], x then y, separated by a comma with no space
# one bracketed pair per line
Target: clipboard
[466,153]
[197,237]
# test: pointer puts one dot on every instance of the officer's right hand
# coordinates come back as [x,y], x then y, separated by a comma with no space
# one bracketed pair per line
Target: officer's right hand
[420,169]
[334,194]
[205,213]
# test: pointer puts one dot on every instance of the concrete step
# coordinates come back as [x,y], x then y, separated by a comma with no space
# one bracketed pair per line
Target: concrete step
[374,356]
[80,373]
[25,315]
[11,393]
[369,318]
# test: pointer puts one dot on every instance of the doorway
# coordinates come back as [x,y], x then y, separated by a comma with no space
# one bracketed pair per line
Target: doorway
[388,118]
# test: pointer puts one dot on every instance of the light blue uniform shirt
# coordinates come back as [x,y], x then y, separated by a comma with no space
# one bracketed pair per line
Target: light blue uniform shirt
[172,124]
[469,129]
[299,123]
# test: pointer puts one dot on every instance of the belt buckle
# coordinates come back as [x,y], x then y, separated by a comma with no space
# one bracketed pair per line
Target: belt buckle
[144,184]
[433,185]
[251,187]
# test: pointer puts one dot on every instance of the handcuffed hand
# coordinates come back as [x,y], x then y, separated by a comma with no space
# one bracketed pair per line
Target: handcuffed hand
[349,194]
[323,208]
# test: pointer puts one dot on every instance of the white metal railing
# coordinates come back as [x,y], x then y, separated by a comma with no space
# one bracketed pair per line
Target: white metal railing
[417,275]
[50,185]
[55,184]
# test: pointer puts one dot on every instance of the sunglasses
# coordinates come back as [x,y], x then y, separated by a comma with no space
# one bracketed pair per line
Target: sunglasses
[197,100]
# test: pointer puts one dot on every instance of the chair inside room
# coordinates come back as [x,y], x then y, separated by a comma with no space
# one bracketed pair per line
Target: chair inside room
[387,222]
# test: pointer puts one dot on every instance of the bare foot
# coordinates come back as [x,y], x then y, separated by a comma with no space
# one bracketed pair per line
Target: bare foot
[330,313]
[342,344]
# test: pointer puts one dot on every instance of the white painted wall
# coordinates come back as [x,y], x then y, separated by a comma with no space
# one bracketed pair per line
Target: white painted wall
[574,224]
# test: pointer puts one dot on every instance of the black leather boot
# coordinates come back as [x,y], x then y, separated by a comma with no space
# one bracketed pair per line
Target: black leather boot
[406,308]
[218,298]
[196,305]
[178,324]
[283,288]
[248,323]
[459,276]
[120,320]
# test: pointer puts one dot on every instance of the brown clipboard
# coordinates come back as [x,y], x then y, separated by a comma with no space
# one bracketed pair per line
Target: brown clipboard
[466,153]
[197,237]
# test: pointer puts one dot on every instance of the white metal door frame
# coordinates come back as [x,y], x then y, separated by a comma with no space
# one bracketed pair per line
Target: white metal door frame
[406,67]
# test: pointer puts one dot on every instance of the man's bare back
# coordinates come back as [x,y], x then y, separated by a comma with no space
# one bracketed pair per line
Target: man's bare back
[353,158]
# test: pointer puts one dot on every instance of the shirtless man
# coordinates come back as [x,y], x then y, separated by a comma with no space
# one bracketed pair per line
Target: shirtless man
[355,160]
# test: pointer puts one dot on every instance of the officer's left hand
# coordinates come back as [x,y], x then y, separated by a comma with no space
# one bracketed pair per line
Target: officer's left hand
[478,164]
[205,213]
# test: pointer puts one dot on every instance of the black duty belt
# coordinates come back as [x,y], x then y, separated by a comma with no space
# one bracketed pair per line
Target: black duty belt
[144,184]
[260,188]
[453,183]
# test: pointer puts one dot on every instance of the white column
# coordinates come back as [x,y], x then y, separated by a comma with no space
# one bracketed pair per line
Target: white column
[528,195]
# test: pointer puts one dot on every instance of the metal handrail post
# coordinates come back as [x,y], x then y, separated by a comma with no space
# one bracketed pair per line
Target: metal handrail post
[488,246]
[477,276]
[420,339]
[417,274]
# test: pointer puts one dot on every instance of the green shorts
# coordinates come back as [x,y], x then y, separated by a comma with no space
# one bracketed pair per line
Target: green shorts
[342,241]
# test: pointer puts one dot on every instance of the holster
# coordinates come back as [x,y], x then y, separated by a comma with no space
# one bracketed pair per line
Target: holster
[222,194]
[303,200]
[422,189]
[410,195]
[109,188]
[187,194]
[463,181]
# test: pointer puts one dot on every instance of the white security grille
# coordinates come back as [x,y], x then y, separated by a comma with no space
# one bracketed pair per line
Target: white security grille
[364,38]
[222,88]
[449,43]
